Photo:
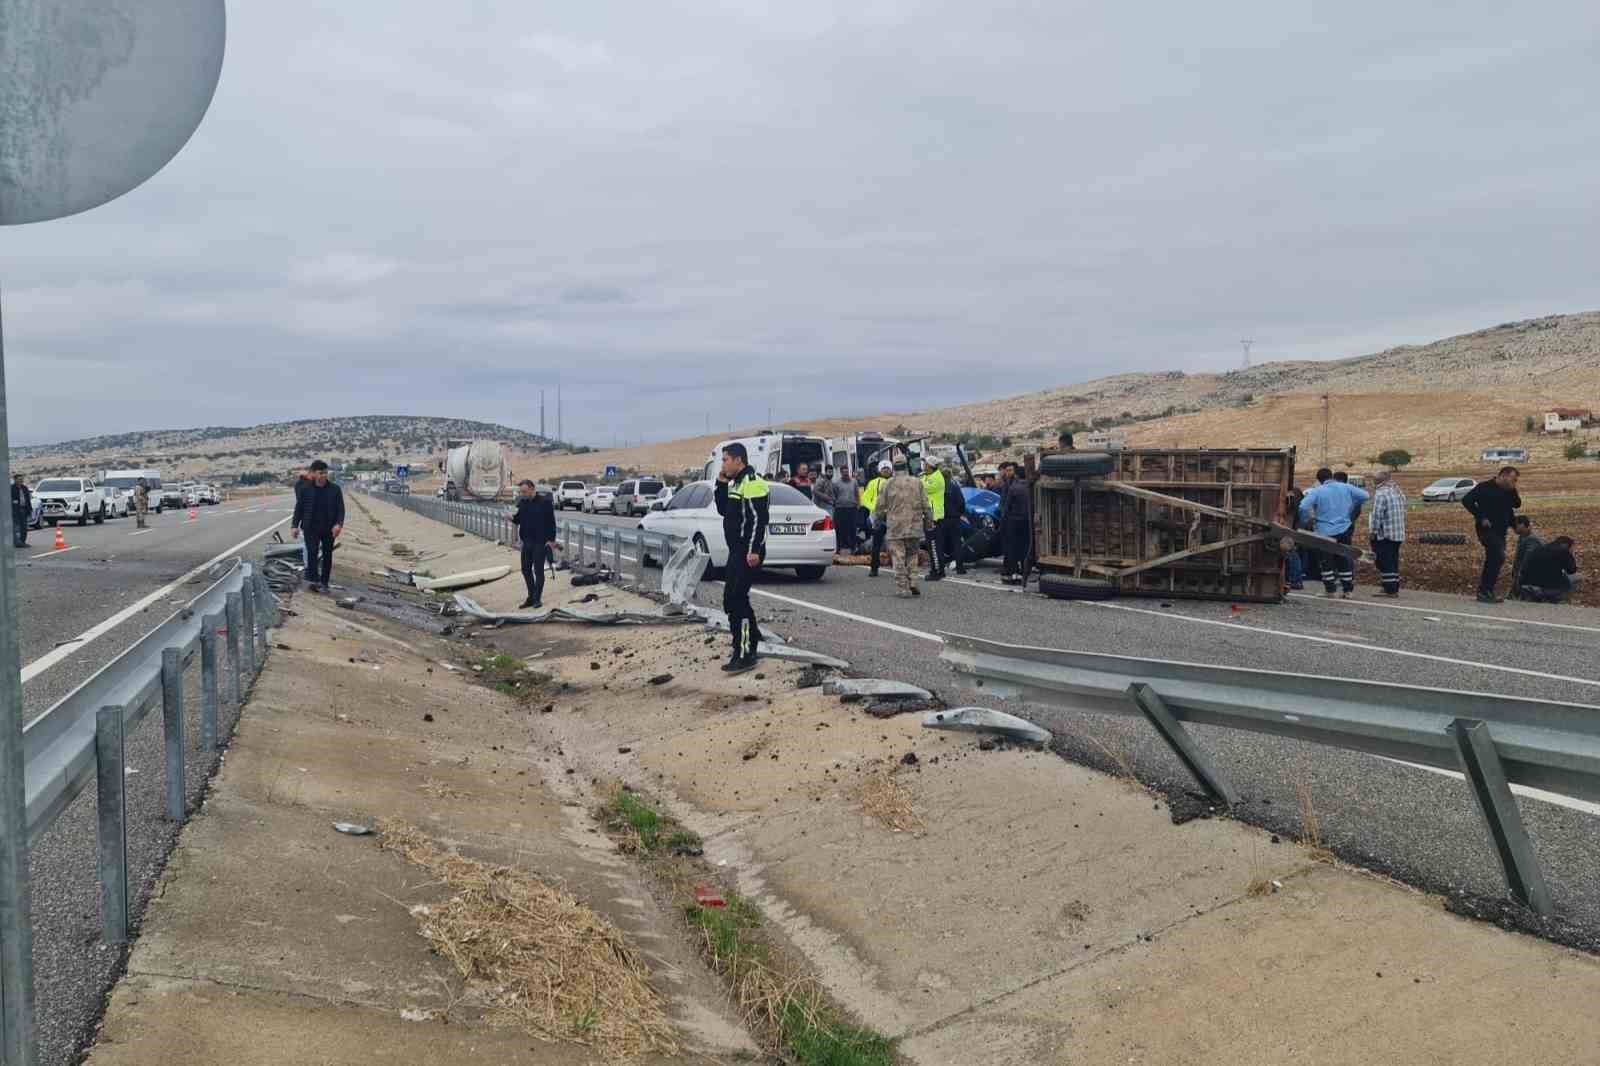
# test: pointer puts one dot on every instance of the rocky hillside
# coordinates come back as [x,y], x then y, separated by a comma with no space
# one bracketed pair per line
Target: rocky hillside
[1553,360]
[224,450]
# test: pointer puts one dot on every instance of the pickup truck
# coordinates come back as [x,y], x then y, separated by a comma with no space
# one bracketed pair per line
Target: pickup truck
[571,494]
[69,499]
[173,496]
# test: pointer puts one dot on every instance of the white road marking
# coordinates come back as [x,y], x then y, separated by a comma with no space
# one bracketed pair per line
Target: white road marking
[906,630]
[1455,614]
[45,662]
[58,551]
[1263,631]
[141,533]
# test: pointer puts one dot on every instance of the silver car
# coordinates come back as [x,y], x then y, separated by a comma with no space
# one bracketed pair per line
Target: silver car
[1448,490]
[633,497]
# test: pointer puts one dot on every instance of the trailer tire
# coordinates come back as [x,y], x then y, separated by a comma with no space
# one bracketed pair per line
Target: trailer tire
[1059,587]
[1077,464]
[1441,538]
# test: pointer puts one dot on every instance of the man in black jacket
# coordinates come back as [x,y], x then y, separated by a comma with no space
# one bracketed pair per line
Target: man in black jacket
[1551,571]
[535,519]
[1493,504]
[21,511]
[955,506]
[319,514]
[743,503]
[1016,523]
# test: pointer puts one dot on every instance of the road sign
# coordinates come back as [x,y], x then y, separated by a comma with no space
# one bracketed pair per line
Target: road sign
[402,472]
[612,471]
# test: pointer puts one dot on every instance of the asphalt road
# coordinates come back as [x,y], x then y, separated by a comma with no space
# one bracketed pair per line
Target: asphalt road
[1414,824]
[110,588]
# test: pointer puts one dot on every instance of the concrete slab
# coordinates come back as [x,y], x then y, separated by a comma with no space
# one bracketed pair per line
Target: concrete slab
[1338,970]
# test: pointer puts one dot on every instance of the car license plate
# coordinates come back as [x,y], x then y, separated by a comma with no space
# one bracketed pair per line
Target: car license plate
[788,528]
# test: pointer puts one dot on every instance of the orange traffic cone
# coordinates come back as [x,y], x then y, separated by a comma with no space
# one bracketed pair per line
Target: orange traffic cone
[61,540]
[194,514]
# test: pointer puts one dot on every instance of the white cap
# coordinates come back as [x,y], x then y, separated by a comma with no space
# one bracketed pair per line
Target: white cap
[885,466]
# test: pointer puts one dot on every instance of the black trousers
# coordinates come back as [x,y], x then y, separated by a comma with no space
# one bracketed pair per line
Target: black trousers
[19,527]
[319,555]
[950,542]
[936,556]
[736,579]
[1494,557]
[1018,537]
[879,532]
[1336,569]
[844,525]
[533,560]
[1388,556]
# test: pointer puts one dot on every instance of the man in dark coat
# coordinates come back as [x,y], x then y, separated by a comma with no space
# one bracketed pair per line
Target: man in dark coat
[535,519]
[319,514]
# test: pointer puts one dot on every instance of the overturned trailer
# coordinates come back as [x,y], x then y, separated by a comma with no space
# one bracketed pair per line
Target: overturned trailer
[1172,523]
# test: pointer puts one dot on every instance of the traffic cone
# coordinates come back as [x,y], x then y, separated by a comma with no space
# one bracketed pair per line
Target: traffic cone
[61,540]
[194,514]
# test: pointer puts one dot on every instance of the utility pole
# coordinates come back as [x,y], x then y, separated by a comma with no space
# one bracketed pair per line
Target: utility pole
[1246,346]
[559,435]
[541,416]
[1325,411]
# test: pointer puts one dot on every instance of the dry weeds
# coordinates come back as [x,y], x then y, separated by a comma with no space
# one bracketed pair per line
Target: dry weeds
[439,790]
[544,961]
[1311,824]
[884,798]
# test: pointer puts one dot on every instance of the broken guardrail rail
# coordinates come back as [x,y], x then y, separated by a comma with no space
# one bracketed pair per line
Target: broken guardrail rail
[80,740]
[1495,741]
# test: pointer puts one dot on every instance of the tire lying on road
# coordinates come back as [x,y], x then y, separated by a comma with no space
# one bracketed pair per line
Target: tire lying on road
[1441,538]
[1060,587]
[1077,464]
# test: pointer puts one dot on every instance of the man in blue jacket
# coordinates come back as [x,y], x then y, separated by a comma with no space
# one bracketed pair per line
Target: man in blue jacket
[1333,503]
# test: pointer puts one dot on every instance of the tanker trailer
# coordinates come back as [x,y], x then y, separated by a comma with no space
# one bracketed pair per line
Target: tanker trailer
[479,471]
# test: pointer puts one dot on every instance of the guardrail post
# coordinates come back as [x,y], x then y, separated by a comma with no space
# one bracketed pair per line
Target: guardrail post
[1196,761]
[209,681]
[172,728]
[247,601]
[112,812]
[1480,761]
[616,553]
[235,611]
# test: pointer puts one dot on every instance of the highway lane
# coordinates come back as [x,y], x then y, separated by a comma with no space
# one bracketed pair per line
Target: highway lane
[1413,823]
[110,588]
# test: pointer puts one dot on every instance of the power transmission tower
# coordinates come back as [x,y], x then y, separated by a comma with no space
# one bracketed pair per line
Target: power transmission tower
[1245,344]
[541,416]
[1325,408]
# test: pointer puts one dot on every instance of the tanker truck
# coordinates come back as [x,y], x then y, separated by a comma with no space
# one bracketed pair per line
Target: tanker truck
[477,470]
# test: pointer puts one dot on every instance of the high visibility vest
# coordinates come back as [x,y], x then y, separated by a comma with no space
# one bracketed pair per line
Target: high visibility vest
[933,485]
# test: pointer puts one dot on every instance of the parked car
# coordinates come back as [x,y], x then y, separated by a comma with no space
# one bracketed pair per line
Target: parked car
[209,495]
[119,504]
[397,487]
[599,499]
[633,497]
[172,496]
[1447,490]
[799,533]
[571,494]
[662,498]
[68,499]
[36,517]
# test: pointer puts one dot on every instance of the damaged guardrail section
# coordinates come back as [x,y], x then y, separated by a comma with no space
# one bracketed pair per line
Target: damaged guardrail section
[1495,741]
[80,739]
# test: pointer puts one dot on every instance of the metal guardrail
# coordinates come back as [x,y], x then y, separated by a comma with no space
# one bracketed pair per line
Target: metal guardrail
[622,549]
[1494,741]
[81,739]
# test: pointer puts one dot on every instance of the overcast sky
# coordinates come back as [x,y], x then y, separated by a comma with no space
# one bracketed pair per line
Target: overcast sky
[689,209]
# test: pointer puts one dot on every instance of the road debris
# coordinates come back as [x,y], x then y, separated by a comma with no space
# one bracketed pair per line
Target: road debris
[566,614]
[983,720]
[856,689]
[660,679]
[707,896]
[466,579]
[352,829]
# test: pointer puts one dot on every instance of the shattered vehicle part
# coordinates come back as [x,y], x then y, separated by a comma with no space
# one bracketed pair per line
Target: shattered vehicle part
[563,614]
[852,689]
[983,720]
[682,574]
[466,579]
[352,829]
[799,655]
[283,551]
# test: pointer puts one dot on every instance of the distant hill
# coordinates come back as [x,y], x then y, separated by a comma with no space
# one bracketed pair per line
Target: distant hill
[226,450]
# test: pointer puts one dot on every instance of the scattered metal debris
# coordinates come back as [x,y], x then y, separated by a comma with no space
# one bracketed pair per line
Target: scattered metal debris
[983,720]
[855,689]
[466,579]
[566,614]
[352,829]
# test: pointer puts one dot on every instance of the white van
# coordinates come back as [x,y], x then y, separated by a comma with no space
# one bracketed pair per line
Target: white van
[125,481]
[771,452]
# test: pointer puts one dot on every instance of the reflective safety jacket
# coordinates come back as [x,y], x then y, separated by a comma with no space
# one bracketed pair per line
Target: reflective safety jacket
[743,504]
[933,484]
[869,495]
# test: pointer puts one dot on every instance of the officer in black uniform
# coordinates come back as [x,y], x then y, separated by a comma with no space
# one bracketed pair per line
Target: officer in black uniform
[21,511]
[742,500]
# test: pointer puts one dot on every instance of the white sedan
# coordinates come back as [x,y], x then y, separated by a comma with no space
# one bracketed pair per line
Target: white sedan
[799,533]
[1448,490]
[599,499]
[119,504]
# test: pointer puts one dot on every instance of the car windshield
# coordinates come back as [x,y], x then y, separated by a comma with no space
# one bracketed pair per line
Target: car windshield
[120,482]
[650,488]
[572,484]
[59,485]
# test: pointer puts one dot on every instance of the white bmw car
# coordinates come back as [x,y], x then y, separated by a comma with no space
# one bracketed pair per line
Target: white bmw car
[800,534]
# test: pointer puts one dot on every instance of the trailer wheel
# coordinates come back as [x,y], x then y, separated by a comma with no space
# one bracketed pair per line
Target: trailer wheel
[1059,587]
[1441,538]
[1077,464]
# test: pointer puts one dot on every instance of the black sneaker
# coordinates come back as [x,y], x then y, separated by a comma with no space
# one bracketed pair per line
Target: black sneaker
[740,666]
[1489,597]
[915,591]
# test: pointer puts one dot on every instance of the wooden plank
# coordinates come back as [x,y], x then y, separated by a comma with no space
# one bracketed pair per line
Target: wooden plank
[1178,502]
[1203,549]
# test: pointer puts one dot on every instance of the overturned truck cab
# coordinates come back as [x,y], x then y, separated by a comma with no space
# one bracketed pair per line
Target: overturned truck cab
[1168,523]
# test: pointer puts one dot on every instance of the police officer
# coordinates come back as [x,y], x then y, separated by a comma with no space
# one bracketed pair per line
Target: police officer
[933,485]
[742,501]
[869,503]
[955,507]
[535,519]
[21,511]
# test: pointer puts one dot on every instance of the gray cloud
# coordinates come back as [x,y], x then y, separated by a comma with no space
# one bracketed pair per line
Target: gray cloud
[681,209]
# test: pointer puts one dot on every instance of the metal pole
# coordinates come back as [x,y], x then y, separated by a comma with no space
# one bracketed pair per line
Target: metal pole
[16,896]
[616,554]
[172,728]
[1480,762]
[235,611]
[209,681]
[247,600]
[112,811]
